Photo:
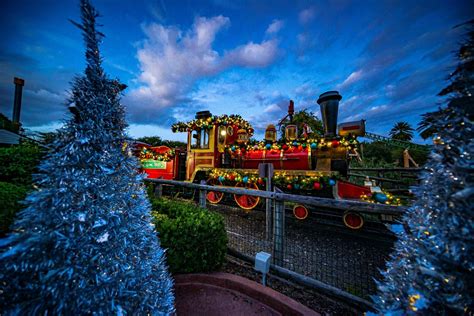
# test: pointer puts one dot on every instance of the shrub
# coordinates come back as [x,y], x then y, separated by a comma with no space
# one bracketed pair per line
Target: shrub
[17,163]
[10,197]
[195,238]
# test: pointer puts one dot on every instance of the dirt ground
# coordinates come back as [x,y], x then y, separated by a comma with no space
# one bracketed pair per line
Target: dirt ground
[304,295]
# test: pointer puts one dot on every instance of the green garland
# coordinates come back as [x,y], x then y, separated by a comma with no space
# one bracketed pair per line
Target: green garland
[208,123]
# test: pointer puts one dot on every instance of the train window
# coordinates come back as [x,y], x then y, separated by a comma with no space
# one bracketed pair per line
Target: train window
[200,139]
[205,139]
[196,139]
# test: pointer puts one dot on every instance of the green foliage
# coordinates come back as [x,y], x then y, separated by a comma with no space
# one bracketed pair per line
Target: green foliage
[402,131]
[157,141]
[308,117]
[379,154]
[195,238]
[10,197]
[17,163]
[5,123]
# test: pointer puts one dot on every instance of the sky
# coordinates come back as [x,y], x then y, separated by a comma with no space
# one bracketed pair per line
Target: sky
[388,59]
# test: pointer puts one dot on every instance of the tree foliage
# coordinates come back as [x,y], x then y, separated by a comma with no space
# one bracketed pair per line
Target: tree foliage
[85,243]
[431,269]
[157,141]
[305,117]
[402,131]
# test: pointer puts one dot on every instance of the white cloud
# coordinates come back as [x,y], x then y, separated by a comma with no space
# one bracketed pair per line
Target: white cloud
[275,27]
[307,15]
[272,108]
[351,79]
[172,60]
[253,55]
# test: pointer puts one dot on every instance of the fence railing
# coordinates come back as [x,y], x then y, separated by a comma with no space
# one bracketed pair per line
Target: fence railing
[283,253]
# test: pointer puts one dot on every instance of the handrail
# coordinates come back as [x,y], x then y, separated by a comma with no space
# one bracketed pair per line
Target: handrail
[348,205]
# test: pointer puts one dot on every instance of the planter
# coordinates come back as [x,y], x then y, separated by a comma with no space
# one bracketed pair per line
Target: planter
[228,294]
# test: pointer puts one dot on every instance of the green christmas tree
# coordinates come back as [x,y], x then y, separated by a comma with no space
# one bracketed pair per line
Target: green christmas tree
[431,270]
[85,245]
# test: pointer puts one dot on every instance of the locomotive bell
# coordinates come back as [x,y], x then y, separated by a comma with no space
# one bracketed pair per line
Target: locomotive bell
[329,103]
[290,132]
[270,133]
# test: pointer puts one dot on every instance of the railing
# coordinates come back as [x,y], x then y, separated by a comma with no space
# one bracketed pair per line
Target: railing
[308,262]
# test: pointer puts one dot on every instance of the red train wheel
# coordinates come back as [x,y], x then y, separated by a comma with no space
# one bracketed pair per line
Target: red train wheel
[300,211]
[246,202]
[353,220]
[212,196]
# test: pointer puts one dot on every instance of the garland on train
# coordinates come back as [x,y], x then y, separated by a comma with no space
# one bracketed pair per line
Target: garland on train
[382,198]
[208,123]
[147,153]
[294,146]
[280,178]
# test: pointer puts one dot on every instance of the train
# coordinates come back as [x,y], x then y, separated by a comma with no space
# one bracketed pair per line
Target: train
[220,151]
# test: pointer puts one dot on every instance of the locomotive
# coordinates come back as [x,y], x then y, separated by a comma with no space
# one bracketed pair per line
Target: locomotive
[219,151]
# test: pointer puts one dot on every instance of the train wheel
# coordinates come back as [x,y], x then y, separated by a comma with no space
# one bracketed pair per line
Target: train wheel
[300,211]
[212,196]
[353,220]
[246,202]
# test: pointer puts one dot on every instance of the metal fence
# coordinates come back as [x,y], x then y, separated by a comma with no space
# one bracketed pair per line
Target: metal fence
[328,257]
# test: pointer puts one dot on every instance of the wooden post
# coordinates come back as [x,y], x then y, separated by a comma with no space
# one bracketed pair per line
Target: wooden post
[265,170]
[268,211]
[279,233]
[202,195]
[158,190]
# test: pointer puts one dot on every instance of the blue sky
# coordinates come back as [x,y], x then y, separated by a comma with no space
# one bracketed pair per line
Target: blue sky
[388,59]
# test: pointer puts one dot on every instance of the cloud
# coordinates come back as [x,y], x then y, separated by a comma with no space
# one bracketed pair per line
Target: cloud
[275,27]
[306,15]
[172,61]
[353,78]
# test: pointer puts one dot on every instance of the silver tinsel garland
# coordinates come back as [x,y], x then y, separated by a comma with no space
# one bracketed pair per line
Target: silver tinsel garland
[85,243]
[431,270]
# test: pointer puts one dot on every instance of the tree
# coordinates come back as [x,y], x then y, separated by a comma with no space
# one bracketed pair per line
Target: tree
[402,131]
[85,243]
[430,271]
[157,141]
[305,117]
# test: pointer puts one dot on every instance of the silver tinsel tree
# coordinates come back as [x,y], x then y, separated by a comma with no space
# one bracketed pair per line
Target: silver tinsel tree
[85,244]
[431,269]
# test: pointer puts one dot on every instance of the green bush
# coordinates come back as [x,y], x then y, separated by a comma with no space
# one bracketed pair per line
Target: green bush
[17,163]
[195,238]
[10,197]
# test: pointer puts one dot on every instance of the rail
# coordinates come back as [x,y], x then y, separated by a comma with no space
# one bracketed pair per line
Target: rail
[348,205]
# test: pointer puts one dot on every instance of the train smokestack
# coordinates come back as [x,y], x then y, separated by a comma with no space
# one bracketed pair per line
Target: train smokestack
[329,103]
[19,83]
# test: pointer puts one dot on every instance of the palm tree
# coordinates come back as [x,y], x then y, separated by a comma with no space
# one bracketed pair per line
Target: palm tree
[402,131]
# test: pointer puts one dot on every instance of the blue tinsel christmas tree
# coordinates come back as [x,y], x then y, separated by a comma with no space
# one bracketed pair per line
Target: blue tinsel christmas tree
[85,245]
[432,269]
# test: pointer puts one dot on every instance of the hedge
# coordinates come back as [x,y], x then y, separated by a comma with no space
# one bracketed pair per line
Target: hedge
[195,238]
[18,163]
[10,202]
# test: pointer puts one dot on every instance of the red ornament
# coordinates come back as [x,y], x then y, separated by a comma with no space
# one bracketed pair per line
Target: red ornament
[289,187]
[284,147]
[335,143]
[260,181]
[231,177]
[317,186]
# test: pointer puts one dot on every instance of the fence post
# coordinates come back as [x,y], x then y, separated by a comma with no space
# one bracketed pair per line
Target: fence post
[158,190]
[202,196]
[265,170]
[278,232]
